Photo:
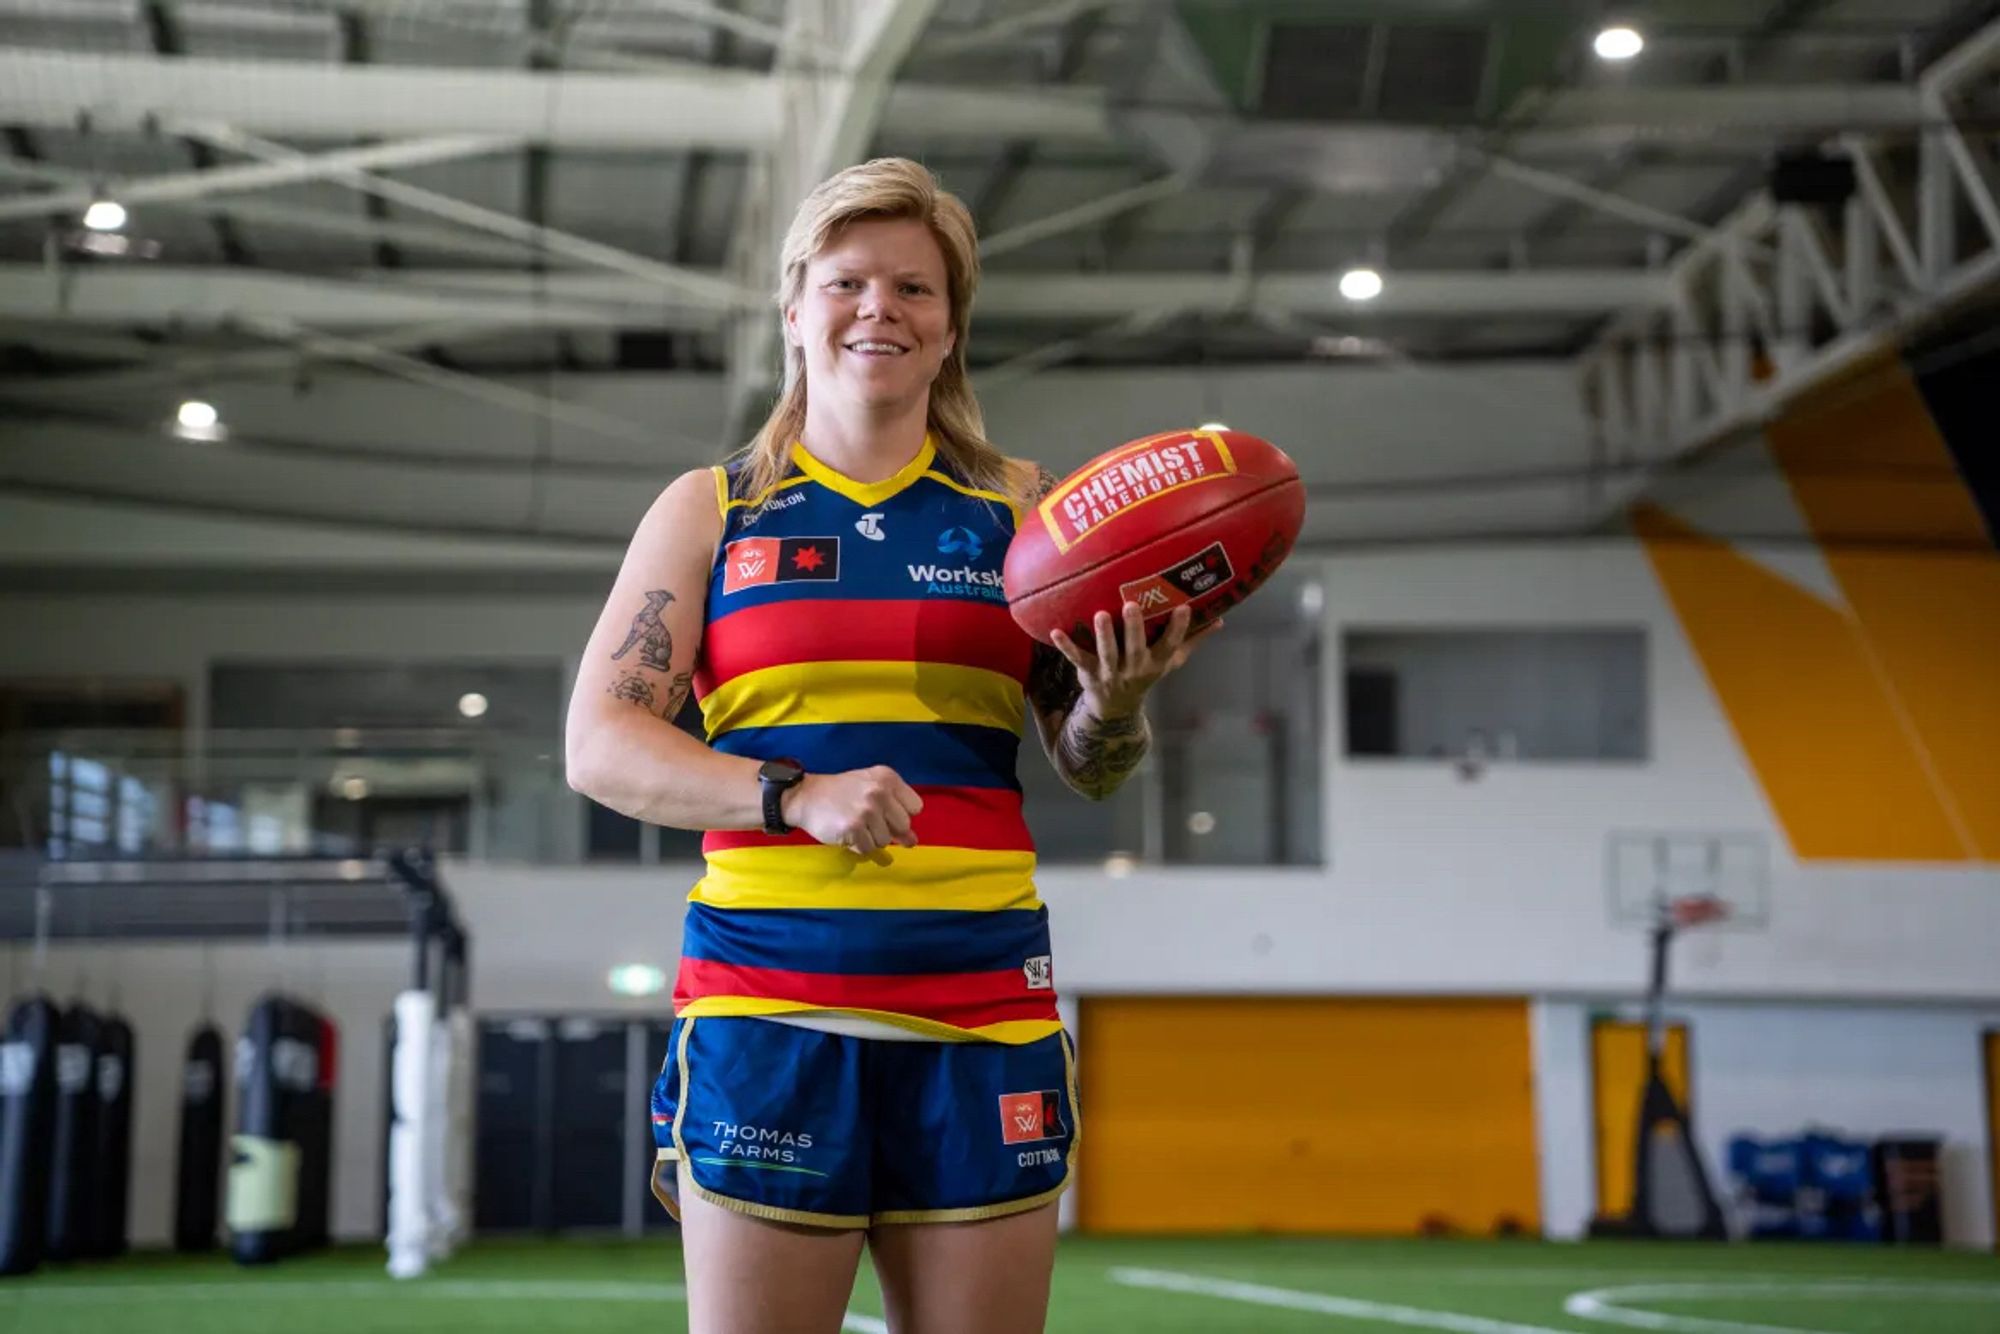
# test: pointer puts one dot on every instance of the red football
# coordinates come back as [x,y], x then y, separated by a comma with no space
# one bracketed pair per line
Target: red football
[1196,518]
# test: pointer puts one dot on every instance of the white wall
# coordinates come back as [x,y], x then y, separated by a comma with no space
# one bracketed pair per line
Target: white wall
[1775,1069]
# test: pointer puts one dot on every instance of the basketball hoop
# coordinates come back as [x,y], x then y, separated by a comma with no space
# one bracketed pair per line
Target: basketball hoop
[1693,910]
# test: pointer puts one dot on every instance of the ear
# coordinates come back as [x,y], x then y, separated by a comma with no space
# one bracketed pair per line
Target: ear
[950,340]
[792,327]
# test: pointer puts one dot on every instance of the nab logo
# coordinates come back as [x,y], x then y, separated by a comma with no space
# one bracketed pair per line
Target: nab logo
[954,540]
[1025,1117]
[870,527]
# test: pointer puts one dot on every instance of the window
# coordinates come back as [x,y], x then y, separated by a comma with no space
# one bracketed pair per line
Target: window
[1496,694]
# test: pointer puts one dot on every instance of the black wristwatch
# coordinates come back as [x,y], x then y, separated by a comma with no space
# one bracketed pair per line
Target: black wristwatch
[777,777]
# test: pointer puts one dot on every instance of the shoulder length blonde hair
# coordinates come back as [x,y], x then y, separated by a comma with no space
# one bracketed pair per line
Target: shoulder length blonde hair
[889,187]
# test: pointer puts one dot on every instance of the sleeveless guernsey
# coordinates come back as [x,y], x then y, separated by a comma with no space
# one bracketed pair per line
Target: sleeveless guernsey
[850,625]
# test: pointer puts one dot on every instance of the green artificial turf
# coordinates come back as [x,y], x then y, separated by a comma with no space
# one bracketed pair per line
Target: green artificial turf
[1103,1285]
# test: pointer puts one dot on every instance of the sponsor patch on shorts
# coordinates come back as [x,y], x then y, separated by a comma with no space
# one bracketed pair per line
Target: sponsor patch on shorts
[1030,1116]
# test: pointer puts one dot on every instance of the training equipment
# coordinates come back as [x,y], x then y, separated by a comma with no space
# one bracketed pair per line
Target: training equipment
[200,1161]
[1194,518]
[114,1077]
[278,1165]
[27,1123]
[72,1220]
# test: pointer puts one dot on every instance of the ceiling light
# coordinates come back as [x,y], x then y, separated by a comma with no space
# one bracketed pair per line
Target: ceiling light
[1212,426]
[1361,284]
[1119,865]
[1201,822]
[104,215]
[354,789]
[472,704]
[636,979]
[1619,43]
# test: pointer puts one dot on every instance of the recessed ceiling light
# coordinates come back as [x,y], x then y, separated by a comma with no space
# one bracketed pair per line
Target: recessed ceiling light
[354,789]
[196,415]
[1119,865]
[1618,43]
[472,704]
[1212,426]
[636,979]
[104,215]
[1361,284]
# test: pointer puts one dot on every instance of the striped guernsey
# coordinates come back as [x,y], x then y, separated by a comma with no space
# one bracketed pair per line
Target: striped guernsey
[851,625]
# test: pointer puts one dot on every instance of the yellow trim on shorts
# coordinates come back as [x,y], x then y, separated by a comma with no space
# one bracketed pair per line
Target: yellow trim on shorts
[864,691]
[764,1211]
[1006,1033]
[1002,1209]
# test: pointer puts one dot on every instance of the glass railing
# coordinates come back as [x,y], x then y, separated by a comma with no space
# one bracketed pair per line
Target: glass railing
[1218,790]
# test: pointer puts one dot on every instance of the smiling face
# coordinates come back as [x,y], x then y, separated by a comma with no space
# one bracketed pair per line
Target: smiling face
[873,319]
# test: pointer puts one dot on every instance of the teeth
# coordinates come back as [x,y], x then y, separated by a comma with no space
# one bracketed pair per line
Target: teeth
[875,347]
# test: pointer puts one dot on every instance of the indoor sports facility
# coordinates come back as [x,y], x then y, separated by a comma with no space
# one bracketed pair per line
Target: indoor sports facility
[1563,897]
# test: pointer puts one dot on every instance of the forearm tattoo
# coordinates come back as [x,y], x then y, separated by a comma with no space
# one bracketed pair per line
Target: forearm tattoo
[656,654]
[1096,755]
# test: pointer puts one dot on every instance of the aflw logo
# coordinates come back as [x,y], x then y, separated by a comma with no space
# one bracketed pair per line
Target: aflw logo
[749,567]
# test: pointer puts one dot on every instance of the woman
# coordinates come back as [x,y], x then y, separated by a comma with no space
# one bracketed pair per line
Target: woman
[865,1042]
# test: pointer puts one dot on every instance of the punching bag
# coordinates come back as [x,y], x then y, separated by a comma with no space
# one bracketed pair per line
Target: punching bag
[27,1124]
[199,1165]
[115,1074]
[315,1133]
[72,1216]
[280,1157]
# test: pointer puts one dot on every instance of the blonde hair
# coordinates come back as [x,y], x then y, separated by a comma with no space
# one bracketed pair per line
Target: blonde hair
[890,187]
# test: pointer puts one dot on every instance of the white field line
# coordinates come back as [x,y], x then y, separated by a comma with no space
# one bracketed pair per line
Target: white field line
[1608,1305]
[109,1294]
[1352,1308]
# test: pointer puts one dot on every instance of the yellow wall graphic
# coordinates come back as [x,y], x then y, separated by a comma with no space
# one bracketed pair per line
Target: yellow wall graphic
[1873,727]
[1617,1079]
[1305,1115]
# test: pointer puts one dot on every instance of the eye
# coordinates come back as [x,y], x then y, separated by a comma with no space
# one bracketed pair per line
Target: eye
[917,289]
[843,284]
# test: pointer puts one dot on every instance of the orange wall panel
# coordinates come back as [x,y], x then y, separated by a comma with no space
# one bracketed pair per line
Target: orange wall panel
[1305,1115]
[1617,1080]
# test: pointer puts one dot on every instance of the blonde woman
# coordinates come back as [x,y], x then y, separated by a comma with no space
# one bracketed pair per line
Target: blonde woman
[865,1044]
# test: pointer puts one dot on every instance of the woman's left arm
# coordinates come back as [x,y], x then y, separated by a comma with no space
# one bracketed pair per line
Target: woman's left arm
[1090,707]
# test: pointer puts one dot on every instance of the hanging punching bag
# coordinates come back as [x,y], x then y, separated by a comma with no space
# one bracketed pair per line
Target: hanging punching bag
[199,1165]
[115,1075]
[72,1216]
[27,1123]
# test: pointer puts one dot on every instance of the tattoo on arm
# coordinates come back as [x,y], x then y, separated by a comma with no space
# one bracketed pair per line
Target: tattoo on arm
[649,634]
[1096,755]
[656,653]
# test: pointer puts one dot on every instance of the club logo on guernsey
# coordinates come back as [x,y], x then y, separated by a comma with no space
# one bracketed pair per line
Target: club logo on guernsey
[752,562]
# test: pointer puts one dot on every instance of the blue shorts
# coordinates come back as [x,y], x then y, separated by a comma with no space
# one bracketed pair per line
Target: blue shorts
[801,1126]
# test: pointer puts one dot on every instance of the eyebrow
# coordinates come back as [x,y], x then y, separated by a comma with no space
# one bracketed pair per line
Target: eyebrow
[850,271]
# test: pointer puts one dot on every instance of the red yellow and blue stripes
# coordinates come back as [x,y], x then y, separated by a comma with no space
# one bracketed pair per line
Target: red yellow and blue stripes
[910,659]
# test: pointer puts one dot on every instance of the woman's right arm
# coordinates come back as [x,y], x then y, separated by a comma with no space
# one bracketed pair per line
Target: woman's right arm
[621,747]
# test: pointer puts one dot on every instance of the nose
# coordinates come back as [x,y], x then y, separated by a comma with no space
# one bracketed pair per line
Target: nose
[879,302]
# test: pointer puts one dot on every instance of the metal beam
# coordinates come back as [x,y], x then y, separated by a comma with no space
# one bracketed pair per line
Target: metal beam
[1082,215]
[684,282]
[585,299]
[295,168]
[680,105]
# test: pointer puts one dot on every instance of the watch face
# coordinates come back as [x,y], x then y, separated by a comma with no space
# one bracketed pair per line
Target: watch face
[780,771]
